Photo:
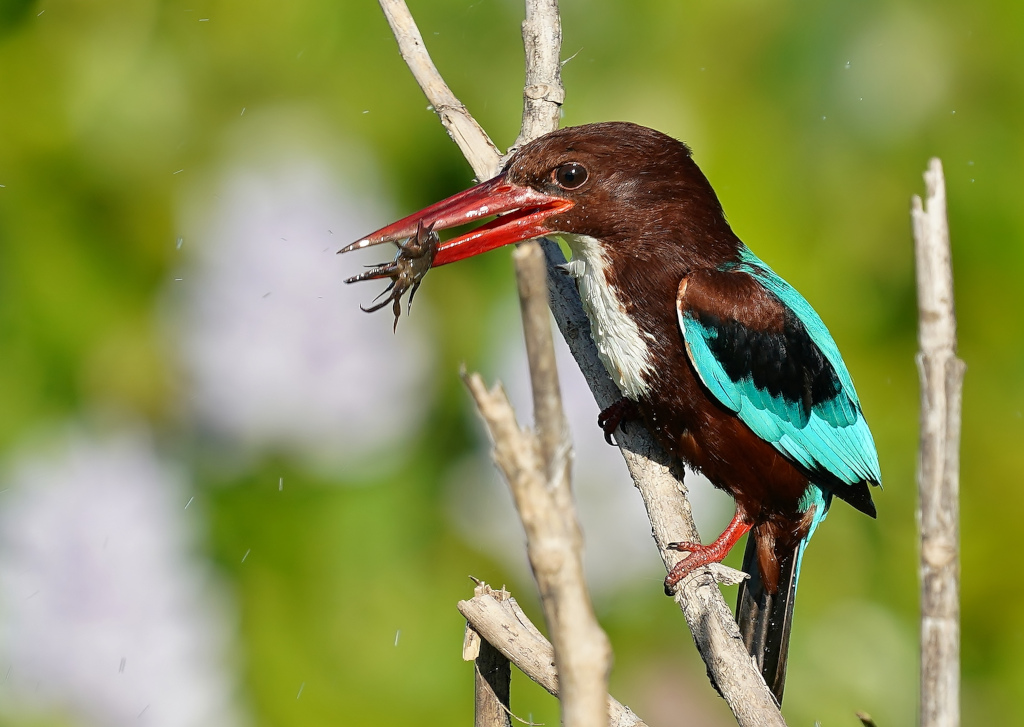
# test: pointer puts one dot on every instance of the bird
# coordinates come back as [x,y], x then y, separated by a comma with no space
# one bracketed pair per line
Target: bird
[724,362]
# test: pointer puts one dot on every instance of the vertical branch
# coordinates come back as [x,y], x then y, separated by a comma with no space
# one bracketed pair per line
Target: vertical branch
[552,429]
[554,539]
[493,680]
[537,468]
[543,92]
[941,374]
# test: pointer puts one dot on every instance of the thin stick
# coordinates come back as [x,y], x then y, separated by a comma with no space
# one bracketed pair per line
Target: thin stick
[553,538]
[554,543]
[481,153]
[493,687]
[543,93]
[493,678]
[500,622]
[938,476]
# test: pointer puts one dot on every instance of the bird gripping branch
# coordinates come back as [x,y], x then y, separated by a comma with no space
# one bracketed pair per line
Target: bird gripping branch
[723,361]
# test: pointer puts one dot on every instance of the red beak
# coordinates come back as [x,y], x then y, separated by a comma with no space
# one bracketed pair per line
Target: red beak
[523,211]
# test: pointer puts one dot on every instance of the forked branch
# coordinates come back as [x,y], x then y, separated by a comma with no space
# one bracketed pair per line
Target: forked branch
[710,620]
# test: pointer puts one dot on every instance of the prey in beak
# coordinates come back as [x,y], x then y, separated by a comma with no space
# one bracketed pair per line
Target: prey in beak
[414,258]
[521,212]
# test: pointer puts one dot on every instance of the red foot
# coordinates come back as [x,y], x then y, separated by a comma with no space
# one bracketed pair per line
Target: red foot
[623,410]
[700,555]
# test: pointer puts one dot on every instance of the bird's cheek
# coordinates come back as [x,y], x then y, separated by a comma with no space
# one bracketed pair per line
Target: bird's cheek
[559,223]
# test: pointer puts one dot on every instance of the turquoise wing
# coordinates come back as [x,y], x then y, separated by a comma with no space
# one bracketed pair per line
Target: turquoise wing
[765,354]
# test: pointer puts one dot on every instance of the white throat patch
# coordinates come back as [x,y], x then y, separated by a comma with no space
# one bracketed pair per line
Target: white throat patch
[620,344]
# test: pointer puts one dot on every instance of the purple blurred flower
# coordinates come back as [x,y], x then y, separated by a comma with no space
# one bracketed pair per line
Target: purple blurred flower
[277,353]
[109,616]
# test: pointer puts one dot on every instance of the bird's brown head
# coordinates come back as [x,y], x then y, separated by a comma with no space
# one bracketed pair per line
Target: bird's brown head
[617,182]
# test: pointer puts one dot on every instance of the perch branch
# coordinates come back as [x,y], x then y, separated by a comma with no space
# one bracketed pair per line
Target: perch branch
[938,474]
[537,467]
[543,93]
[495,617]
[662,489]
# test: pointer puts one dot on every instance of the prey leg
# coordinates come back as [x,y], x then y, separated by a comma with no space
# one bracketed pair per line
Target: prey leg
[413,261]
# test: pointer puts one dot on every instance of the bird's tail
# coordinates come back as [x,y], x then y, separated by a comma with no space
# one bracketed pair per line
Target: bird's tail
[765,619]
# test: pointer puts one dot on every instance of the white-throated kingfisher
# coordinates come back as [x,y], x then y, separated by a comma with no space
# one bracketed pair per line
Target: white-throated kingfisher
[722,360]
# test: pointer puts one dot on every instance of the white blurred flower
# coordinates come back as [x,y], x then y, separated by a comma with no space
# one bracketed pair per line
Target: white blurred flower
[277,352]
[108,618]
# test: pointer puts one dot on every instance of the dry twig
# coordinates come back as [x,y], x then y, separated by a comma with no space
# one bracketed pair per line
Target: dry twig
[481,153]
[493,679]
[938,476]
[537,467]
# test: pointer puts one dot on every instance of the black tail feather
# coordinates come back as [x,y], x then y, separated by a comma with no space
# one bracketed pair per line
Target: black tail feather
[765,619]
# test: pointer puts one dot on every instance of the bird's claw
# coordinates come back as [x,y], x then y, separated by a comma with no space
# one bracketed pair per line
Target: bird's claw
[415,257]
[621,411]
[698,555]
[685,546]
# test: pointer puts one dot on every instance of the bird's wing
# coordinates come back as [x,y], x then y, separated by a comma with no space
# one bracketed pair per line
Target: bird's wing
[763,352]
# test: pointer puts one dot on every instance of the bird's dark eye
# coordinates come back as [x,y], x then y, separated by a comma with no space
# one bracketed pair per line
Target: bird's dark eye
[571,175]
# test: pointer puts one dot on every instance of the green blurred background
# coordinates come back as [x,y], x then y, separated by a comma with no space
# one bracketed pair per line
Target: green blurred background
[175,179]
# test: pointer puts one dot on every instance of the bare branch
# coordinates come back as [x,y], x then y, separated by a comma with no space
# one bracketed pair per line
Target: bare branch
[543,93]
[481,153]
[500,622]
[552,429]
[938,476]
[554,543]
[493,672]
